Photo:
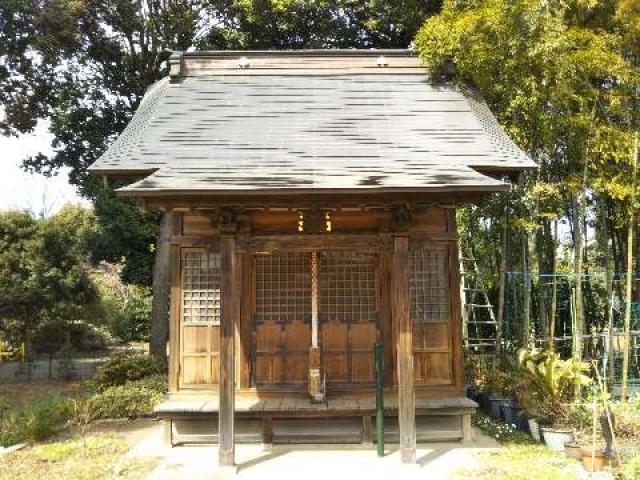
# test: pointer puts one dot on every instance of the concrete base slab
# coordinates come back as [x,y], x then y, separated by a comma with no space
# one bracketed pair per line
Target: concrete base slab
[311,462]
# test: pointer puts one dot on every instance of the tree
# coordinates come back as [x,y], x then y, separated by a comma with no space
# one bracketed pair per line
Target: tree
[562,78]
[42,271]
[85,65]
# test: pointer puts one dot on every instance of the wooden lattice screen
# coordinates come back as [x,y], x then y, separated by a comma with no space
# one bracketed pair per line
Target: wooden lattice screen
[200,317]
[282,319]
[430,296]
[201,288]
[349,316]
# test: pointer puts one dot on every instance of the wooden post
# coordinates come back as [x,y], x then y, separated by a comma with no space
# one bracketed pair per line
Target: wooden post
[161,290]
[227,343]
[174,316]
[404,342]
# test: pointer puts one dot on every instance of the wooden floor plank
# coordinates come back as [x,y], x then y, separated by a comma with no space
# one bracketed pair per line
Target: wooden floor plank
[283,405]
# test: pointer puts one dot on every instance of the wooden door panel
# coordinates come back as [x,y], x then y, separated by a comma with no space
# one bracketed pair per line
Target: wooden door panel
[431,336]
[268,339]
[296,343]
[334,339]
[199,317]
[349,309]
[362,338]
[195,339]
[433,368]
[281,324]
[269,369]
[430,310]
[195,370]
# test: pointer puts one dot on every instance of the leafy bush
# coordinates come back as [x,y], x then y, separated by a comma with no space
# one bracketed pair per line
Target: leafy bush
[546,384]
[83,337]
[627,419]
[37,421]
[133,399]
[40,418]
[124,367]
[9,424]
[133,322]
[631,468]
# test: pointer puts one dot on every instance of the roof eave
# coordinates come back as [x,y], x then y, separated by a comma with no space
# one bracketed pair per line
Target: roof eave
[140,193]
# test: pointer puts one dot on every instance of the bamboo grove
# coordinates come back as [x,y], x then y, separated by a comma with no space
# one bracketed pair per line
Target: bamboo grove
[563,78]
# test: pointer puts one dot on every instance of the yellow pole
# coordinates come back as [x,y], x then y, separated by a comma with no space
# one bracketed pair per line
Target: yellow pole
[629,283]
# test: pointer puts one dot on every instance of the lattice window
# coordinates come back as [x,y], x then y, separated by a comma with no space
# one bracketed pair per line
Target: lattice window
[201,299]
[348,286]
[283,287]
[429,284]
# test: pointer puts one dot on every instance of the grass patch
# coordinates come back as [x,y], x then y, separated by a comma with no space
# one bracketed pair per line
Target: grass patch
[519,457]
[515,461]
[98,456]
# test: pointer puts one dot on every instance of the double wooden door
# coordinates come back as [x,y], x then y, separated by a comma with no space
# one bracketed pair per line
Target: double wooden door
[348,317]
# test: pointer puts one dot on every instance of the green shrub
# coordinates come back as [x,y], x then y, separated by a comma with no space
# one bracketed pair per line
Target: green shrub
[133,399]
[123,367]
[37,421]
[9,424]
[133,322]
[41,417]
[83,337]
[631,468]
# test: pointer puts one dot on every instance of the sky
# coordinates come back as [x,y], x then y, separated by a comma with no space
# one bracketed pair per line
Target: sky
[20,190]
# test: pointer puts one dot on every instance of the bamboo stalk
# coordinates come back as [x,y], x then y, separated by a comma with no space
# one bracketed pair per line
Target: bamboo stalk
[629,279]
[554,293]
[603,390]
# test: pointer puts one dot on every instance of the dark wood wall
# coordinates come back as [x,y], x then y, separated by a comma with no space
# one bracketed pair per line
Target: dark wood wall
[273,334]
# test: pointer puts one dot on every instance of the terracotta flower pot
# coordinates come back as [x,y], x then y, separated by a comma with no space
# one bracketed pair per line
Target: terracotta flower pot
[573,450]
[593,460]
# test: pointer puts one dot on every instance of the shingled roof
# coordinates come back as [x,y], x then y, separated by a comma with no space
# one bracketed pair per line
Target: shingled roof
[310,121]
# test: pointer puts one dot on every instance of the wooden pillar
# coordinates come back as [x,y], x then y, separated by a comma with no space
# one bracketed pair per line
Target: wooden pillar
[161,290]
[229,269]
[404,348]
[174,315]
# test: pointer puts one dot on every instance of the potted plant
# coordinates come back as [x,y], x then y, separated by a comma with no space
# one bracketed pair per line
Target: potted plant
[477,380]
[547,384]
[514,414]
[593,458]
[497,386]
[557,434]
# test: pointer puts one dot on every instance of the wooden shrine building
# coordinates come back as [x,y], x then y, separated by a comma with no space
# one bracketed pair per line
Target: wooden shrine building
[311,201]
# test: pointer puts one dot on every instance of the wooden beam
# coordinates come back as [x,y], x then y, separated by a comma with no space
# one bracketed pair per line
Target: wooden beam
[226,452]
[404,348]
[309,243]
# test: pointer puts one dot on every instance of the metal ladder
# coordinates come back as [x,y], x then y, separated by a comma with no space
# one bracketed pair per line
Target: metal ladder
[479,322]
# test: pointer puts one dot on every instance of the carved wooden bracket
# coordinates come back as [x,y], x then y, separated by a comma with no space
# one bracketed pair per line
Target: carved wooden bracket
[400,218]
[227,220]
[315,221]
